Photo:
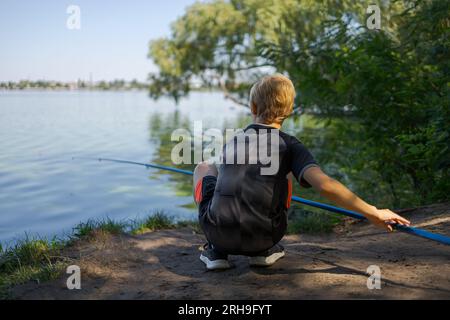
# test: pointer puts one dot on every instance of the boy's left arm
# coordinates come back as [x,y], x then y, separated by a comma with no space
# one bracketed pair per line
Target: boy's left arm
[336,192]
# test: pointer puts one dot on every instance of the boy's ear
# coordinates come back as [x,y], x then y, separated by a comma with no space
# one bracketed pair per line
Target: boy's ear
[253,108]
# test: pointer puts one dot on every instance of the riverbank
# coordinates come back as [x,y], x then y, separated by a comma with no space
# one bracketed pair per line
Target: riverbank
[164,264]
[39,259]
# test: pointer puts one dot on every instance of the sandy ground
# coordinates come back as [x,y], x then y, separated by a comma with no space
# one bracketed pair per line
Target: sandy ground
[165,265]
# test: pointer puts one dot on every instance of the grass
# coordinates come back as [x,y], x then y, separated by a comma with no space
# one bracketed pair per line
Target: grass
[92,227]
[157,221]
[161,221]
[30,259]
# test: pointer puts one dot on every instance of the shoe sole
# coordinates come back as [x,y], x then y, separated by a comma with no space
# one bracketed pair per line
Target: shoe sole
[266,261]
[216,264]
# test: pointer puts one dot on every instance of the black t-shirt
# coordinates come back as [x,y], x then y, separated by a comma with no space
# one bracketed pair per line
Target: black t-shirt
[299,158]
[248,212]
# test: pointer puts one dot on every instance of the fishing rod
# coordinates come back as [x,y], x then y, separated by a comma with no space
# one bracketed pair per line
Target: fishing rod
[406,229]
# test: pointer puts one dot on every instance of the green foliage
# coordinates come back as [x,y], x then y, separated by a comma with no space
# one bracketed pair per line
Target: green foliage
[390,86]
[220,42]
[396,89]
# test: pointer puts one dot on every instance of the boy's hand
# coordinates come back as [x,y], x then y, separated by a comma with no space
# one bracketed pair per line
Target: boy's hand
[383,218]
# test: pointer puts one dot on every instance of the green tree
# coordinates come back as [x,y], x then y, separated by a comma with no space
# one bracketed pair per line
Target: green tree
[219,42]
[392,85]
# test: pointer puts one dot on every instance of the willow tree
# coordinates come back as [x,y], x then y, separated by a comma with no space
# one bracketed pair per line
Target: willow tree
[392,82]
[220,42]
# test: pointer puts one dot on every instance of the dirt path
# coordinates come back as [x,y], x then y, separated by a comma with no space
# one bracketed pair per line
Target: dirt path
[165,265]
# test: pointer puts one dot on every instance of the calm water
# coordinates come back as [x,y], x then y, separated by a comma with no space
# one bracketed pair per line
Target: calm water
[43,191]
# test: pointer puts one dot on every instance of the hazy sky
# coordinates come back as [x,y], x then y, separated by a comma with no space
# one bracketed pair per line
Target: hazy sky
[112,42]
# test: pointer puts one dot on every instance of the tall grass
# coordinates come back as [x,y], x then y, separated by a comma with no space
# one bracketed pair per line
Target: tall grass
[157,221]
[30,259]
[160,221]
[92,227]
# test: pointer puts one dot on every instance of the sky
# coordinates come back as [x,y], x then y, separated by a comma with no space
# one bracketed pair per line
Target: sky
[112,42]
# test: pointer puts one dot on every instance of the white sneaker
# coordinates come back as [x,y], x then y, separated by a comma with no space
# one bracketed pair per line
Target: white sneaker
[213,259]
[268,257]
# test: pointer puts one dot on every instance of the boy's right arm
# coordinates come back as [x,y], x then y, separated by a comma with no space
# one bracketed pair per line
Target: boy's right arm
[336,192]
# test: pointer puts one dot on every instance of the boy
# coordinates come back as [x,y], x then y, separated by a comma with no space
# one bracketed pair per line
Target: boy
[243,211]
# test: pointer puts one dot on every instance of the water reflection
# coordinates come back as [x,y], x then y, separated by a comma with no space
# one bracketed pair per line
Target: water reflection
[160,131]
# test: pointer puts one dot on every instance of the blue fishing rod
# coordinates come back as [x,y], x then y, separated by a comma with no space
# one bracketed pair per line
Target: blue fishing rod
[410,230]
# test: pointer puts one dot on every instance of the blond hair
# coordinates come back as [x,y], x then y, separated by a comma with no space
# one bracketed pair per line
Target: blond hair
[273,96]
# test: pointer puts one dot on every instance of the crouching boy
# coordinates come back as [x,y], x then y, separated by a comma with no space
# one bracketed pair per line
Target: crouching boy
[243,204]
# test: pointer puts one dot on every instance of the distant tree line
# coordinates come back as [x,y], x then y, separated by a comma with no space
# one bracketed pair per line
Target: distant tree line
[77,85]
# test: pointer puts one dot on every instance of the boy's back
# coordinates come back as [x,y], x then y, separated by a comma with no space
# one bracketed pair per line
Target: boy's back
[248,211]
